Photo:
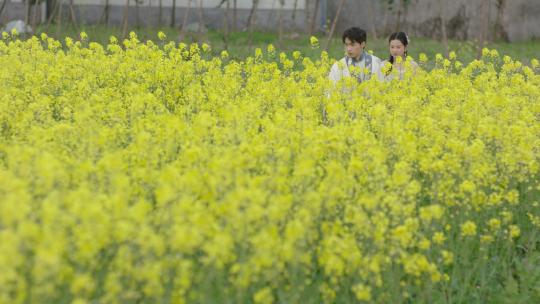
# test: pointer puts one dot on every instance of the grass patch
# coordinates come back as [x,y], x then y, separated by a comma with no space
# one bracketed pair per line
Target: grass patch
[239,48]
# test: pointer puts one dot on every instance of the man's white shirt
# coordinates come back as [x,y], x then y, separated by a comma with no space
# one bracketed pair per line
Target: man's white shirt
[343,68]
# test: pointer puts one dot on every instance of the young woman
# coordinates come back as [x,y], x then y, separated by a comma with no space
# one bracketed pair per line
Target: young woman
[396,66]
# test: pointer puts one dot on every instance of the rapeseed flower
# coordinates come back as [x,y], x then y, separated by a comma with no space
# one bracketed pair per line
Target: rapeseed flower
[151,172]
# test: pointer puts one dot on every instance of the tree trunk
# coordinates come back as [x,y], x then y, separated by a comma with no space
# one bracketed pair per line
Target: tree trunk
[185,21]
[387,10]
[444,35]
[404,21]
[371,12]
[52,14]
[126,20]
[59,20]
[485,26]
[201,21]
[314,17]
[251,16]
[160,13]
[28,7]
[500,28]
[280,23]
[104,19]
[226,26]
[35,15]
[137,14]
[307,9]
[235,15]
[173,13]
[333,28]
[399,13]
[251,21]
[73,17]
[43,13]
[294,10]
[2,7]
[488,32]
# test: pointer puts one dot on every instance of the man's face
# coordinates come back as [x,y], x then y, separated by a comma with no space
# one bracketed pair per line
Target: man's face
[353,48]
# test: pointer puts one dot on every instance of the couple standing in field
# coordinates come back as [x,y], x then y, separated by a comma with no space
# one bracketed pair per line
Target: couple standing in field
[362,65]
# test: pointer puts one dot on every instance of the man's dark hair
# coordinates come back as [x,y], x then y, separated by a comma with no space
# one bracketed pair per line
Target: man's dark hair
[354,34]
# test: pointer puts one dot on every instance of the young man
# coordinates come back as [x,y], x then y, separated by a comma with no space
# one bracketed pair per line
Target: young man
[366,65]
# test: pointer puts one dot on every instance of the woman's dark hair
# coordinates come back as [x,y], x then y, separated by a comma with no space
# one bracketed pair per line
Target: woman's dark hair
[354,34]
[401,36]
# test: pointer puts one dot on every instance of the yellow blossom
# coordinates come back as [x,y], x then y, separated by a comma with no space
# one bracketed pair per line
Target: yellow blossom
[438,238]
[314,42]
[514,231]
[264,296]
[468,229]
[486,239]
[362,292]
[161,36]
[494,224]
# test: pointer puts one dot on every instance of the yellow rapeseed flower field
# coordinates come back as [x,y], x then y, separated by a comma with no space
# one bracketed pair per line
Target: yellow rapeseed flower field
[154,172]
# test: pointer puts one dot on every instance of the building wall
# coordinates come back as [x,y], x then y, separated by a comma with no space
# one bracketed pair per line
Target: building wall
[521,20]
[147,13]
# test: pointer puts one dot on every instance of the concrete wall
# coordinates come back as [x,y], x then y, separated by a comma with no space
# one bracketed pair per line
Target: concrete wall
[521,20]
[147,13]
[14,11]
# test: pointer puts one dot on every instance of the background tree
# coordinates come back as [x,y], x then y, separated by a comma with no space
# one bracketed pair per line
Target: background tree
[201,22]
[252,13]
[36,7]
[226,26]
[280,22]
[59,19]
[28,8]
[137,13]
[313,23]
[307,10]
[499,30]
[235,15]
[295,8]
[442,18]
[2,7]
[160,12]
[173,13]
[371,12]
[104,19]
[73,16]
[404,12]
[388,12]
[399,12]
[333,28]
[52,13]
[484,13]
[126,20]
[185,20]
[250,25]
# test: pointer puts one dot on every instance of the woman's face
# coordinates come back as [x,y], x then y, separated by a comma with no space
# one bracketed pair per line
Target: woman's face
[397,48]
